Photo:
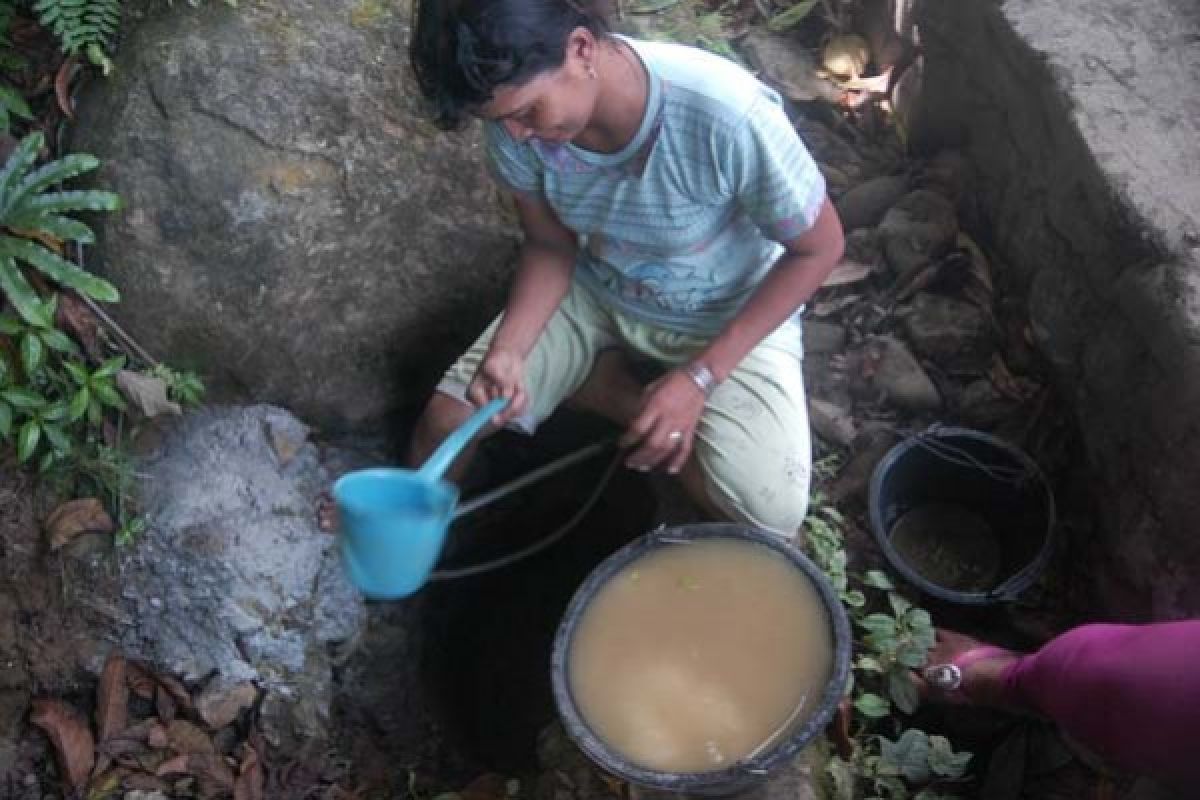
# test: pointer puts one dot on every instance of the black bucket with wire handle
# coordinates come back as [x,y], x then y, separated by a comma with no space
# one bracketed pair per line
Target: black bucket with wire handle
[964,516]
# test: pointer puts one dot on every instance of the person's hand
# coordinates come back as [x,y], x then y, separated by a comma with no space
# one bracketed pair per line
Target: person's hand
[662,432]
[500,374]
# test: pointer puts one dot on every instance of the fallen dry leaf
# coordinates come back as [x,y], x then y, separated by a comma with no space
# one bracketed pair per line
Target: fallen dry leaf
[184,737]
[164,704]
[177,691]
[147,393]
[847,272]
[147,783]
[112,699]
[83,515]
[825,308]
[107,784]
[221,702]
[173,766]
[62,86]
[212,773]
[250,780]
[68,732]
[74,317]
[157,737]
[141,680]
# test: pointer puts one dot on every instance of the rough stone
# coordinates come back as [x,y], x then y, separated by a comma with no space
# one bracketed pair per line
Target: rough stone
[293,228]
[954,334]
[865,204]
[786,64]
[899,378]
[832,423]
[919,228]
[1080,120]
[823,337]
[980,405]
[864,247]
[233,578]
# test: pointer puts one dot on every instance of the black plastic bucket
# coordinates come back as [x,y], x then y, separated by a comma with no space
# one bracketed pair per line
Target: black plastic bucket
[749,771]
[987,478]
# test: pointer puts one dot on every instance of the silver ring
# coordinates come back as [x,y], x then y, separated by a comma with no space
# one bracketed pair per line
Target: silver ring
[675,436]
[946,677]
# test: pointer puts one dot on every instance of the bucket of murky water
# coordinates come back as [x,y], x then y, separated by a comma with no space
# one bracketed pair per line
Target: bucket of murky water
[964,516]
[698,659]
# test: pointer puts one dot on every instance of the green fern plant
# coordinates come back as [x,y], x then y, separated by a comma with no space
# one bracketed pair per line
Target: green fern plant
[33,215]
[12,104]
[83,26]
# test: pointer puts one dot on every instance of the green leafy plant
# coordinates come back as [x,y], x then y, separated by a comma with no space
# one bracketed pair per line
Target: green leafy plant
[12,104]
[897,639]
[85,27]
[886,768]
[183,387]
[32,215]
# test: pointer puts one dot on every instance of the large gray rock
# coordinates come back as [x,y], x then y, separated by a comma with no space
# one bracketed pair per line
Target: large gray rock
[233,577]
[292,227]
[1081,120]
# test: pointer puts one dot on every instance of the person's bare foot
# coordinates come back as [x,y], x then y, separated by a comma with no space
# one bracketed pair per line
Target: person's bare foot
[965,670]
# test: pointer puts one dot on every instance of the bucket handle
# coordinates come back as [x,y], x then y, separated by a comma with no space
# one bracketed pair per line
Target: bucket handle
[437,464]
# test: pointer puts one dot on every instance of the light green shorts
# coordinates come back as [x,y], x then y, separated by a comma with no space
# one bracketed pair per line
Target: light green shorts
[752,442]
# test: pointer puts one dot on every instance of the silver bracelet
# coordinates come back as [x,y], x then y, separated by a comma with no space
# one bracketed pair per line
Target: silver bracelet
[703,377]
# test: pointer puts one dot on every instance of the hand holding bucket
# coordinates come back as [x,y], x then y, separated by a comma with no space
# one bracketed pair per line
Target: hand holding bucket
[394,521]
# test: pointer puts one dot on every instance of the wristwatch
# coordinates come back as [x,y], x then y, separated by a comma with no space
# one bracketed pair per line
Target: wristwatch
[702,376]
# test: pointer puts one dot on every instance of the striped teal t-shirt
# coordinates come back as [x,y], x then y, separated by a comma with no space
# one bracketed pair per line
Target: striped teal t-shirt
[681,225]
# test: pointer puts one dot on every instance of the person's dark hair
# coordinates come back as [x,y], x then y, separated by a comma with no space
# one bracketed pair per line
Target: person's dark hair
[462,50]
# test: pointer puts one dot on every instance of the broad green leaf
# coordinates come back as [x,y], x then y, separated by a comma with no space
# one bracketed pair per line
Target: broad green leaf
[6,416]
[47,460]
[95,413]
[9,325]
[23,399]
[899,603]
[918,618]
[909,755]
[33,353]
[19,162]
[58,440]
[27,440]
[108,395]
[57,340]
[22,296]
[59,269]
[878,580]
[78,373]
[14,103]
[67,229]
[854,599]
[869,664]
[57,172]
[31,209]
[79,404]
[944,761]
[872,705]
[879,623]
[902,690]
[110,367]
[912,655]
[55,412]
